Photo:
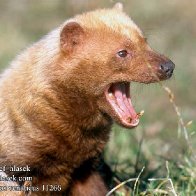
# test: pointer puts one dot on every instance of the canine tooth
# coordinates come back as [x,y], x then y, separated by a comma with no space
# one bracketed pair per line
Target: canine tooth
[110,94]
[141,113]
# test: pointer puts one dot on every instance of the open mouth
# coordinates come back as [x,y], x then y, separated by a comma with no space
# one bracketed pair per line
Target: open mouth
[118,96]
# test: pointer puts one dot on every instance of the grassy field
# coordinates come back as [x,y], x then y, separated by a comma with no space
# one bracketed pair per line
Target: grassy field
[158,157]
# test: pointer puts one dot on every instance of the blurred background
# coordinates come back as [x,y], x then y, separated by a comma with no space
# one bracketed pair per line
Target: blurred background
[170,27]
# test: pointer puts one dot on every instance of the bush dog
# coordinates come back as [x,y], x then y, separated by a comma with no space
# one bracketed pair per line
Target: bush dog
[59,97]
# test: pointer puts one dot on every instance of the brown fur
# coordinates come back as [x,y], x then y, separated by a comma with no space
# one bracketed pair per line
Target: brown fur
[53,112]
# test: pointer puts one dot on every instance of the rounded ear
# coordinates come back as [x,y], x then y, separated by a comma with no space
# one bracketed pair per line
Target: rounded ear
[118,6]
[71,36]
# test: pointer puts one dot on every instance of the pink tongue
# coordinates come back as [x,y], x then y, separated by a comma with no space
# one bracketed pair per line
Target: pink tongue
[121,93]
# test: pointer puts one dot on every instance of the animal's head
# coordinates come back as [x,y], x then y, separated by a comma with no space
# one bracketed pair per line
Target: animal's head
[102,52]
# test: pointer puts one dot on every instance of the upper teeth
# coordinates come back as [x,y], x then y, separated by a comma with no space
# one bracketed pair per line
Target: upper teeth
[110,94]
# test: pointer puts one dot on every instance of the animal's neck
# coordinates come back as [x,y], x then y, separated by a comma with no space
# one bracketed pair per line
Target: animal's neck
[78,109]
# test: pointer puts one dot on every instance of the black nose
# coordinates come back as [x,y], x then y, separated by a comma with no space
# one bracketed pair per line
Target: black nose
[167,68]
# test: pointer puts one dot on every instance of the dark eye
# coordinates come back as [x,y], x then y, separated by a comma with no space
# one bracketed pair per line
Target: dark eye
[122,53]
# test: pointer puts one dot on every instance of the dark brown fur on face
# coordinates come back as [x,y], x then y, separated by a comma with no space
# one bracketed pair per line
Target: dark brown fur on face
[55,114]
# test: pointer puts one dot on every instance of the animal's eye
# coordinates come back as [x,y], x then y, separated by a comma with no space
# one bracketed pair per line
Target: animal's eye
[122,53]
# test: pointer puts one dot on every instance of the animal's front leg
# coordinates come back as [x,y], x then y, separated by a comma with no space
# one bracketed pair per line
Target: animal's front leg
[92,178]
[90,185]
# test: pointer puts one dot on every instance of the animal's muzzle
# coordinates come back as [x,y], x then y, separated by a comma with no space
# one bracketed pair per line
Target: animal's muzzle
[167,69]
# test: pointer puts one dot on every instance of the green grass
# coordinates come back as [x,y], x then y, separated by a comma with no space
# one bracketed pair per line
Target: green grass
[127,159]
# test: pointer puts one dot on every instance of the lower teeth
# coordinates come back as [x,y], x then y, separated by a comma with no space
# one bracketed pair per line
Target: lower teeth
[140,113]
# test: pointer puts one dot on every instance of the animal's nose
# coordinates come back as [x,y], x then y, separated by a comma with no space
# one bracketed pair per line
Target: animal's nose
[167,68]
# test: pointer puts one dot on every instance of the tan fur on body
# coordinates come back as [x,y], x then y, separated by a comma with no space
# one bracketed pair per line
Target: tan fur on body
[53,112]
